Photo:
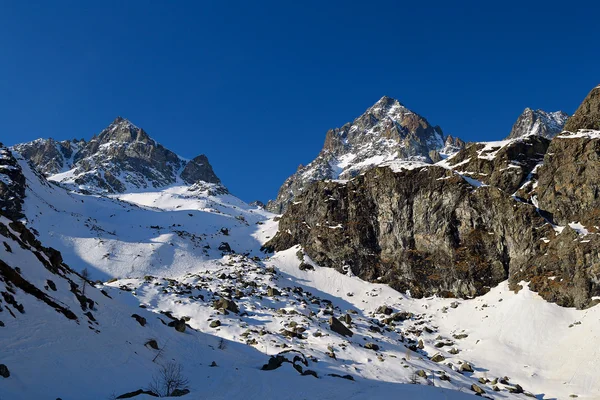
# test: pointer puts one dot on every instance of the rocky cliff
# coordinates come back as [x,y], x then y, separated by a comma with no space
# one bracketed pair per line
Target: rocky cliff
[122,157]
[386,131]
[522,209]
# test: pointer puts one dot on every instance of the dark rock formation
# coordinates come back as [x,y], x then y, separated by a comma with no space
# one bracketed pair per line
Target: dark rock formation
[505,165]
[12,185]
[423,230]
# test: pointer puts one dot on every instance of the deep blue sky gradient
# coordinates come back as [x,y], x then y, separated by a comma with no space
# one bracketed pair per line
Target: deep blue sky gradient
[256,85]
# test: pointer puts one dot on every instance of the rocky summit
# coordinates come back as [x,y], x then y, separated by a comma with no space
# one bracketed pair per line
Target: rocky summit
[121,158]
[387,131]
[538,122]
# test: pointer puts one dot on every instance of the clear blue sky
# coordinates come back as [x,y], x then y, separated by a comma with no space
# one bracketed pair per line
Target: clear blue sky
[256,85]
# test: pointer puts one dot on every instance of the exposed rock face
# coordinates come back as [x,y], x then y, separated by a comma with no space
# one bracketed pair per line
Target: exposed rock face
[50,156]
[387,131]
[538,122]
[424,230]
[569,183]
[506,164]
[587,115]
[12,185]
[468,223]
[120,158]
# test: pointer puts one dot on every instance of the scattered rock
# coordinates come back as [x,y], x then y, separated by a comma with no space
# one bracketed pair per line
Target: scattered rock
[179,392]
[371,346]
[438,358]
[477,389]
[178,324]
[141,320]
[336,326]
[224,304]
[306,267]
[152,343]
[466,367]
[215,324]
[4,372]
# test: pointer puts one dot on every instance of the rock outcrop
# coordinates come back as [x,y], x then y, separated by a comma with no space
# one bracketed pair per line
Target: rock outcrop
[506,164]
[386,131]
[120,158]
[526,209]
[12,185]
[424,230]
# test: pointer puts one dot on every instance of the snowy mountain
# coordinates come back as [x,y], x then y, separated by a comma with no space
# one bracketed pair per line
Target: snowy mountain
[386,131]
[474,275]
[120,159]
[538,122]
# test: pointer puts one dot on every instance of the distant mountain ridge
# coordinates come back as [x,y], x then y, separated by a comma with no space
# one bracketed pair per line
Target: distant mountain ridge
[121,158]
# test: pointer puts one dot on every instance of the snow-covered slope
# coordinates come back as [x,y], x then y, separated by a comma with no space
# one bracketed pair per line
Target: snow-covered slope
[168,231]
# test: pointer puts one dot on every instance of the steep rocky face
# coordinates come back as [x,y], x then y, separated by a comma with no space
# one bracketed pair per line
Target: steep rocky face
[587,115]
[12,185]
[122,157]
[424,229]
[538,122]
[50,156]
[506,164]
[525,209]
[386,131]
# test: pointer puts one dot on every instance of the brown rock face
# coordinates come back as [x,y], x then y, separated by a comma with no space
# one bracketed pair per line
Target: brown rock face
[587,115]
[569,180]
[506,166]
[424,230]
[438,230]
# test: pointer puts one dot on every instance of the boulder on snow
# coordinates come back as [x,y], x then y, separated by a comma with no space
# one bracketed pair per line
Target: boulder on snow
[438,358]
[225,304]
[466,367]
[336,326]
[178,324]
[215,324]
[141,320]
[136,393]
[224,247]
[384,310]
[4,372]
[273,292]
[477,389]
[371,346]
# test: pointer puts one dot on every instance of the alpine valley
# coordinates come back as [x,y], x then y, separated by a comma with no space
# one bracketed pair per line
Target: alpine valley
[400,263]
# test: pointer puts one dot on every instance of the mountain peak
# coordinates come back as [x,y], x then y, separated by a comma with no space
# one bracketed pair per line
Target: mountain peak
[538,122]
[123,130]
